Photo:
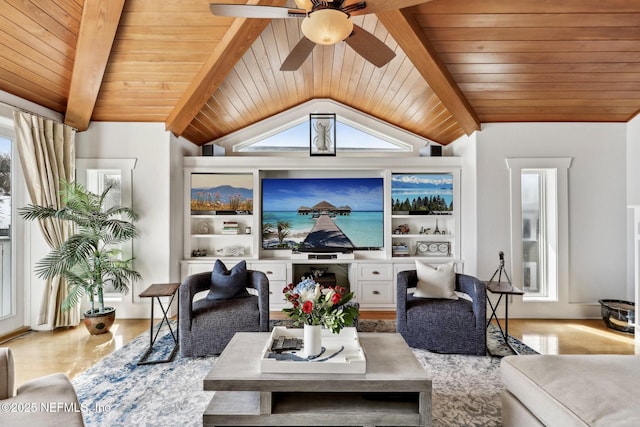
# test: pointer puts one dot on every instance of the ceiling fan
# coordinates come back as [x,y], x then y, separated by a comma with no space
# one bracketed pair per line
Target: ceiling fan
[325,22]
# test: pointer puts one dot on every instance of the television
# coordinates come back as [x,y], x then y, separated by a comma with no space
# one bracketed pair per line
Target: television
[323,214]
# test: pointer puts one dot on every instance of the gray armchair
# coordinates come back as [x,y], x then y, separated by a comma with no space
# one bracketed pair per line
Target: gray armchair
[443,325]
[206,326]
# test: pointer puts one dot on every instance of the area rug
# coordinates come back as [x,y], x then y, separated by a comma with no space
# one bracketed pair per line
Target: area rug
[118,392]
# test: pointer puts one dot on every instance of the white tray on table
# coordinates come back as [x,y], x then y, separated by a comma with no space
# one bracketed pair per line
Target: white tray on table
[342,354]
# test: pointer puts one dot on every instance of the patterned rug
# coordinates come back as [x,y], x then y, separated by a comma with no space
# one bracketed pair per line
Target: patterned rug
[118,392]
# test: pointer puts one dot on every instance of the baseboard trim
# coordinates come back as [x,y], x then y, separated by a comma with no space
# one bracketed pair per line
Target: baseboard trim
[13,334]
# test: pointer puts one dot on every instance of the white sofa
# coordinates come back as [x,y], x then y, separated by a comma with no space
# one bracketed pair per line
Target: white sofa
[48,401]
[571,390]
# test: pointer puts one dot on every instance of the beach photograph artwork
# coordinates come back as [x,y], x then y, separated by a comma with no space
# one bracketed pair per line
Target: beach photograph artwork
[322,214]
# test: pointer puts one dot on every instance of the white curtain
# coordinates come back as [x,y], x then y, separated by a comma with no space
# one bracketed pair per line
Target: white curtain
[47,154]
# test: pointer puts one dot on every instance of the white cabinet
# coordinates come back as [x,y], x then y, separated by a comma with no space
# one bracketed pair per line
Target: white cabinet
[421,221]
[375,286]
[279,277]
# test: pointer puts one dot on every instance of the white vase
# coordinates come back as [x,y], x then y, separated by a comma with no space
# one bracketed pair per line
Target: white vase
[312,340]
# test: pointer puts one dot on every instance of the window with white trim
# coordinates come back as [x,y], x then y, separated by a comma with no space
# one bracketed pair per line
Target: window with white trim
[538,241]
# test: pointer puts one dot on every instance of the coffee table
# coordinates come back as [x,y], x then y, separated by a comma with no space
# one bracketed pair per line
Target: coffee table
[395,390]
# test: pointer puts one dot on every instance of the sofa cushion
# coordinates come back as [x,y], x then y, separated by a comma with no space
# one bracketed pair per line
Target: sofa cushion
[435,282]
[576,390]
[228,284]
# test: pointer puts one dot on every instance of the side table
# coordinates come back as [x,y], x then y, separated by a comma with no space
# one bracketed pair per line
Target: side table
[502,289]
[159,290]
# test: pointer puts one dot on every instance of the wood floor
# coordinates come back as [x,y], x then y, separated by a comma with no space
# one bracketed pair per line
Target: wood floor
[73,350]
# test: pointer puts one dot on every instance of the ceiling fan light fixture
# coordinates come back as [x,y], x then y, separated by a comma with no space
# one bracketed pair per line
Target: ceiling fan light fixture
[327,26]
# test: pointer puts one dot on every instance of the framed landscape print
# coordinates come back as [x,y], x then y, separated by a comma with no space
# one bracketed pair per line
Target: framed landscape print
[422,194]
[217,193]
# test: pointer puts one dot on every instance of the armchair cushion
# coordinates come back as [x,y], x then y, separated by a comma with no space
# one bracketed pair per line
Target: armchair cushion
[435,282]
[228,284]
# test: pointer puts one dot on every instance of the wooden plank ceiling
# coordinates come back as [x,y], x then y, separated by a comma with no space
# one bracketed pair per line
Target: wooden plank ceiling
[459,63]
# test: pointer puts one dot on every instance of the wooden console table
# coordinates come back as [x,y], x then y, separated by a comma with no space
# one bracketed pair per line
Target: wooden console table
[395,390]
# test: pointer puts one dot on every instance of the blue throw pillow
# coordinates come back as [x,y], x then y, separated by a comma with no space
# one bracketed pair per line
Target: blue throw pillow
[228,284]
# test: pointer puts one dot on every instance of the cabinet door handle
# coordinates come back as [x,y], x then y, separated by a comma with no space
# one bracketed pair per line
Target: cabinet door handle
[376,292]
[375,272]
[268,272]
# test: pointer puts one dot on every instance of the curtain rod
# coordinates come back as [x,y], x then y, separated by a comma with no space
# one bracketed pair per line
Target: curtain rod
[25,110]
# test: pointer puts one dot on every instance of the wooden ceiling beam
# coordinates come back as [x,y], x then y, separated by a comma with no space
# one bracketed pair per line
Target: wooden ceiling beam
[404,28]
[237,40]
[97,31]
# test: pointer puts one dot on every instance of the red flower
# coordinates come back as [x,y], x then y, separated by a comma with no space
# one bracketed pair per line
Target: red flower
[307,307]
[335,298]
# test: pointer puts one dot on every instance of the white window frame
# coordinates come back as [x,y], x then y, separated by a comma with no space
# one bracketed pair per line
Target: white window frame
[556,271]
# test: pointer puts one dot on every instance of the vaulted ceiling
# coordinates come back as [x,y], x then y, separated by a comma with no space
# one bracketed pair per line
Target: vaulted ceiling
[459,63]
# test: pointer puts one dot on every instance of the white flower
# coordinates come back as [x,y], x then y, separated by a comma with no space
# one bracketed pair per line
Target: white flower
[309,293]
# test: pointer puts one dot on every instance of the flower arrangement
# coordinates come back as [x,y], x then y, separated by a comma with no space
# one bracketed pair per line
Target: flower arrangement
[314,304]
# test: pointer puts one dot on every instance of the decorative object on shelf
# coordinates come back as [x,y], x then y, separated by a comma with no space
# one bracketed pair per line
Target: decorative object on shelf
[231,251]
[221,194]
[322,134]
[400,249]
[198,253]
[433,248]
[203,227]
[317,305]
[436,230]
[247,230]
[318,271]
[230,227]
[402,229]
[425,230]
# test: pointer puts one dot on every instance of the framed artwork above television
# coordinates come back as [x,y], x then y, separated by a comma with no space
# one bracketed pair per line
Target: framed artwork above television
[322,134]
[422,194]
[220,193]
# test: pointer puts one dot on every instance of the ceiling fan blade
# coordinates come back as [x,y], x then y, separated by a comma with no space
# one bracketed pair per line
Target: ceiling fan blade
[373,6]
[255,11]
[298,55]
[370,47]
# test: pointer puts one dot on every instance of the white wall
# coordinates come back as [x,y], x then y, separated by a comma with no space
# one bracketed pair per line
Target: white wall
[598,266]
[180,148]
[597,214]
[150,144]
[465,148]
[633,202]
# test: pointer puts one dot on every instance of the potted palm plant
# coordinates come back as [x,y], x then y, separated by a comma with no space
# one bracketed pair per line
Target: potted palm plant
[91,258]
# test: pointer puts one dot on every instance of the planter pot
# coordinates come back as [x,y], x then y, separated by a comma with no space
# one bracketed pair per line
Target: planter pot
[99,323]
[312,340]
